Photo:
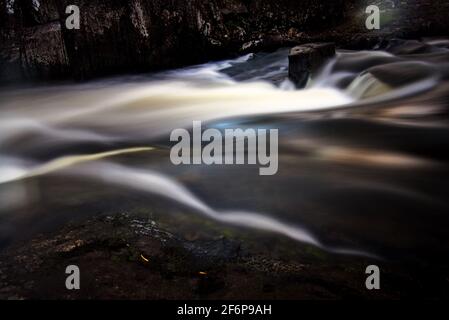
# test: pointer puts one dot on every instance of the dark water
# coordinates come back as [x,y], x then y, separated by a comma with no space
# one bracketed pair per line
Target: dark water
[363,161]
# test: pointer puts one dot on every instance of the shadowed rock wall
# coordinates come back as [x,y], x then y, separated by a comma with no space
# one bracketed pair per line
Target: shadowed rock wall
[119,36]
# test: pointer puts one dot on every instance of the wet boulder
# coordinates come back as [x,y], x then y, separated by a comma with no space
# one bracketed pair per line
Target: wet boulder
[306,59]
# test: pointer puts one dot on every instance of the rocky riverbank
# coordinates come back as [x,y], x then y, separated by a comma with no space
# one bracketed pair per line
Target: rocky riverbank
[144,35]
[127,257]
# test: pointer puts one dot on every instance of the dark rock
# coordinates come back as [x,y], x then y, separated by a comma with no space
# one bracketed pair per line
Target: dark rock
[217,250]
[126,257]
[43,52]
[35,13]
[10,62]
[306,59]
[143,35]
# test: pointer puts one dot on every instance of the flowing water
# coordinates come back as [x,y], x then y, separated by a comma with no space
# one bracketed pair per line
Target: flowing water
[363,166]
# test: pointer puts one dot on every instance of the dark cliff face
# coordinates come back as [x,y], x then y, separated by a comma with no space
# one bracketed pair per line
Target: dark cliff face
[118,36]
[141,35]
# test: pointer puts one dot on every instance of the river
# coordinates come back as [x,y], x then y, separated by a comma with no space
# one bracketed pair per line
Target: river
[363,162]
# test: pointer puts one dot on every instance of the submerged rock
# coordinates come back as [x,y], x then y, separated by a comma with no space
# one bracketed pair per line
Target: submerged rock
[308,58]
